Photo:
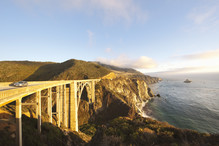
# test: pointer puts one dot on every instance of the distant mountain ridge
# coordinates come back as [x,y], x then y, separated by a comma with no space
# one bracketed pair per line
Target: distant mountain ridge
[131,73]
[115,68]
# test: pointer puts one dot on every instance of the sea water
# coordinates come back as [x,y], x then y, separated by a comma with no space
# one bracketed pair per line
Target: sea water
[192,105]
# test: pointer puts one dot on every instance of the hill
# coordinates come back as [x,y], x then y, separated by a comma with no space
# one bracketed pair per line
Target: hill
[69,70]
[18,70]
[11,71]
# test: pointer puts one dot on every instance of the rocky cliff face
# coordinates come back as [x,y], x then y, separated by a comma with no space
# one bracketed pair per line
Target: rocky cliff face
[133,92]
[122,96]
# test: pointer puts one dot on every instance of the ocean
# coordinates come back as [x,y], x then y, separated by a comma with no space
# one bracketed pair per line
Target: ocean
[192,105]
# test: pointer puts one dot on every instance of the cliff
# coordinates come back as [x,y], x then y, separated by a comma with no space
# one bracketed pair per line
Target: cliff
[133,92]
[117,95]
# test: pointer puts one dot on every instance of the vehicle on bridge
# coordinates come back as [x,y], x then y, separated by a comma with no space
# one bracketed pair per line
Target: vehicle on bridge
[21,84]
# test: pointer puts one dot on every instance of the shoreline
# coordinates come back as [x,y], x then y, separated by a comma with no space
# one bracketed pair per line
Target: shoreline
[141,109]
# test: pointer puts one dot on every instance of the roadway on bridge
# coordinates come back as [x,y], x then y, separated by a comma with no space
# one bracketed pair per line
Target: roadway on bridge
[8,87]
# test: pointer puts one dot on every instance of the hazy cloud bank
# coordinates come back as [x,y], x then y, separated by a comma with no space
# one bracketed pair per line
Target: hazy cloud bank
[212,54]
[190,70]
[207,61]
[142,62]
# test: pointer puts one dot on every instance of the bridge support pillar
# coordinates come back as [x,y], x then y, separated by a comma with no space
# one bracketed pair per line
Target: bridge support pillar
[61,103]
[73,107]
[49,104]
[64,107]
[38,110]
[58,105]
[18,123]
[93,91]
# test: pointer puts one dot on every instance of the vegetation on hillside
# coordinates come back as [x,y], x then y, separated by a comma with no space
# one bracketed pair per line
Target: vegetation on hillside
[51,135]
[120,131]
[145,131]
[11,71]
[82,70]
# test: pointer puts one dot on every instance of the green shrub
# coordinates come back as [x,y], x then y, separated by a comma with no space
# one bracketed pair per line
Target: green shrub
[88,129]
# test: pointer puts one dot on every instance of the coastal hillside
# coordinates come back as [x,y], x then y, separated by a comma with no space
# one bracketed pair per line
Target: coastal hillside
[131,73]
[69,70]
[11,71]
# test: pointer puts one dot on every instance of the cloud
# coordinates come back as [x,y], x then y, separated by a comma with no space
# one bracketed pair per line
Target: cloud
[109,10]
[119,9]
[212,54]
[185,70]
[202,62]
[190,70]
[207,61]
[142,62]
[204,18]
[108,50]
[200,16]
[90,37]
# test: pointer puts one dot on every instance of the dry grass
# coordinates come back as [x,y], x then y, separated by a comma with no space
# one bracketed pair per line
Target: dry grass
[11,71]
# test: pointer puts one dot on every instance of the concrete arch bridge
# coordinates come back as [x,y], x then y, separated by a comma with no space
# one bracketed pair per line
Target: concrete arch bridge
[67,94]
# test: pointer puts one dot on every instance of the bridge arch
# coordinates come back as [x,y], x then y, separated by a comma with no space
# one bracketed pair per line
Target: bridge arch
[84,87]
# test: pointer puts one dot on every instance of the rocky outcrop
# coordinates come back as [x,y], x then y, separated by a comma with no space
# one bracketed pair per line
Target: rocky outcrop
[133,91]
[121,96]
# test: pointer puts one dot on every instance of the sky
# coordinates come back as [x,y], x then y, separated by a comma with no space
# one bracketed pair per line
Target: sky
[172,36]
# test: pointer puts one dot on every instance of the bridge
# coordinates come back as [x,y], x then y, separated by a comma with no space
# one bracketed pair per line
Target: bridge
[66,93]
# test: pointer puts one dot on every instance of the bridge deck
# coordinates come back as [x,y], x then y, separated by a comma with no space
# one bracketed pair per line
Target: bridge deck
[9,93]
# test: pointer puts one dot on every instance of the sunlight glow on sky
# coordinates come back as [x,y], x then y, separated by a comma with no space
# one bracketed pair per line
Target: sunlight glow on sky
[174,36]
